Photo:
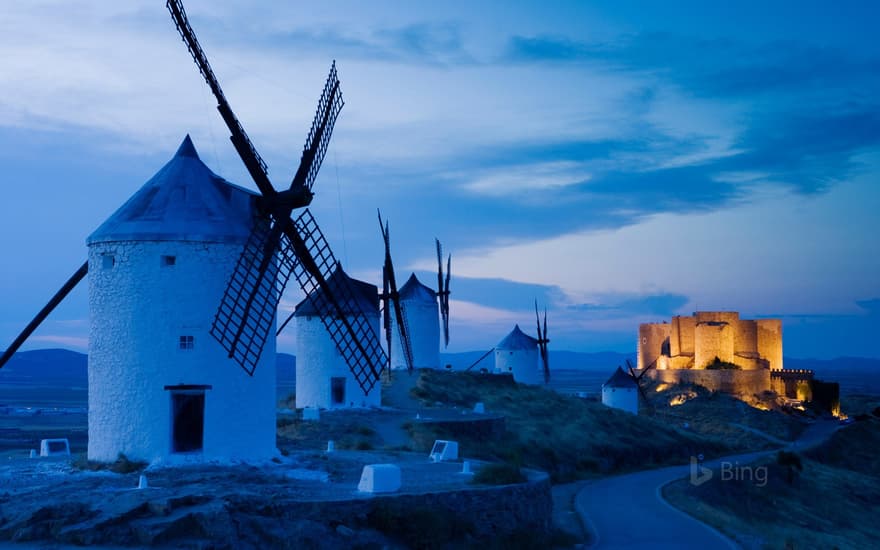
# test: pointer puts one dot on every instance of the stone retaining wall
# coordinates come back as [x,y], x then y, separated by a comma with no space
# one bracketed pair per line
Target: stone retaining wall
[486,513]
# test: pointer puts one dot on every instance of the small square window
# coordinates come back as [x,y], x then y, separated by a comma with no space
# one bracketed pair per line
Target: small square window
[168,261]
[187,342]
[108,261]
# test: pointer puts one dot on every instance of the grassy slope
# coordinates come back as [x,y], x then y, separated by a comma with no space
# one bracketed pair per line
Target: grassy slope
[721,415]
[566,436]
[832,502]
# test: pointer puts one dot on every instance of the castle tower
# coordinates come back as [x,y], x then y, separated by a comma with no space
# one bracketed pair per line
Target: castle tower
[323,378]
[653,345]
[423,324]
[518,354]
[160,387]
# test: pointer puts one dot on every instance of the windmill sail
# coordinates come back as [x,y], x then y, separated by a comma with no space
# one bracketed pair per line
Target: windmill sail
[391,297]
[43,313]
[542,343]
[443,289]
[279,246]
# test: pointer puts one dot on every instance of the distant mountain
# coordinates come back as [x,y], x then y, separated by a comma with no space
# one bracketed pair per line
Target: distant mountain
[47,366]
[832,365]
[69,368]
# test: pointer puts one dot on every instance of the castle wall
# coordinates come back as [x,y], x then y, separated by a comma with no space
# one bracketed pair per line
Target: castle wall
[681,341]
[651,338]
[713,339]
[696,341]
[728,381]
[140,307]
[746,338]
[770,341]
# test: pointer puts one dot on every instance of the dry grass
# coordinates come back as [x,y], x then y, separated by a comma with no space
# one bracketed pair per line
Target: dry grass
[348,429]
[122,465]
[568,437]
[831,503]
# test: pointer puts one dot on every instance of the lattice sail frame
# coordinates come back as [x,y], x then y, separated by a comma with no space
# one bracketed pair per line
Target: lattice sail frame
[248,308]
[328,109]
[355,338]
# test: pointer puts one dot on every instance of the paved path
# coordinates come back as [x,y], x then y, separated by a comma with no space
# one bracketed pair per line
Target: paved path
[628,512]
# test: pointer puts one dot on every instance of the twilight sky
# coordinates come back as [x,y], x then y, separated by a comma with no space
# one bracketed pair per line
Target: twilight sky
[621,162]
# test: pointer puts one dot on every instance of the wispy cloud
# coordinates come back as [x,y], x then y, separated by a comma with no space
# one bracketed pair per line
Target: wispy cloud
[707,66]
[513,180]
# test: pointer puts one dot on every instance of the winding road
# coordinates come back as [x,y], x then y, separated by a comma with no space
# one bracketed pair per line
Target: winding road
[627,511]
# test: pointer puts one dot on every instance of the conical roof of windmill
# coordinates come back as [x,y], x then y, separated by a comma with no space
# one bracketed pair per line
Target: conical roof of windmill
[620,379]
[517,339]
[184,201]
[363,296]
[414,290]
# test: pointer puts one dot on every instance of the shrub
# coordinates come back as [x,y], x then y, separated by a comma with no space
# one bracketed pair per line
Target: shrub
[718,364]
[791,462]
[498,474]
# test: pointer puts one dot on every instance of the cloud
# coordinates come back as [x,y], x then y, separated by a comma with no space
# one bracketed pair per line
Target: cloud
[717,67]
[498,293]
[433,43]
[544,176]
[660,305]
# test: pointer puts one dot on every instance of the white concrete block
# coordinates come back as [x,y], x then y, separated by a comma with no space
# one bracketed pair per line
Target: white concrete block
[444,450]
[54,447]
[380,478]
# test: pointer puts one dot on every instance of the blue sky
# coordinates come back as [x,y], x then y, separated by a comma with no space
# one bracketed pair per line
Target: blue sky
[620,162]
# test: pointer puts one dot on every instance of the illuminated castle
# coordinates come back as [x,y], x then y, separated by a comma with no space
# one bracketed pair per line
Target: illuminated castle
[721,352]
[694,342]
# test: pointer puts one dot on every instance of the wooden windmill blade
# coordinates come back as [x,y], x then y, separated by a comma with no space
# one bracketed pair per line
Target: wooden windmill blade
[279,246]
[542,343]
[59,296]
[391,297]
[248,308]
[443,289]
[637,379]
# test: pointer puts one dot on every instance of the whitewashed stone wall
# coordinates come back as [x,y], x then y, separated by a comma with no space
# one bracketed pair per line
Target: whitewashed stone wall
[423,321]
[318,360]
[524,364]
[626,399]
[139,309]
